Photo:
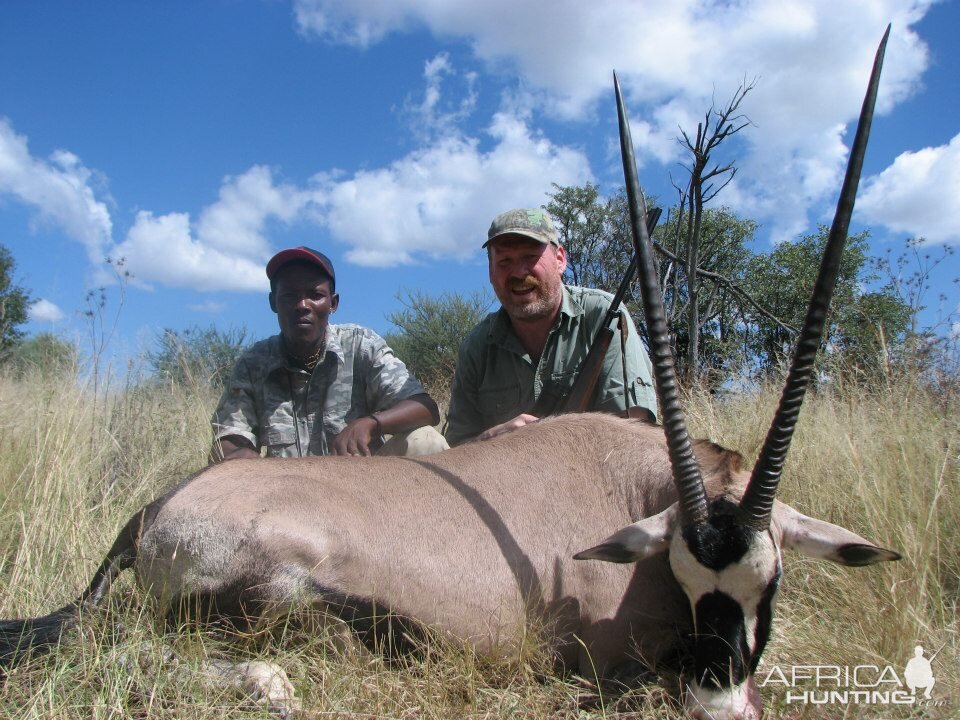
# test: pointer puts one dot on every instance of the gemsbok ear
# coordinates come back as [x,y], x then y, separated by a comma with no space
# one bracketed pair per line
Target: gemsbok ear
[636,542]
[820,539]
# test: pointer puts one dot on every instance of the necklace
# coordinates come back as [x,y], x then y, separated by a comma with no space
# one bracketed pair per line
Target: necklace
[308,363]
[311,362]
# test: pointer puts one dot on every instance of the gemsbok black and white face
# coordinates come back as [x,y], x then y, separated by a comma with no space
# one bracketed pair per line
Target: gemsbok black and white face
[724,550]
[730,572]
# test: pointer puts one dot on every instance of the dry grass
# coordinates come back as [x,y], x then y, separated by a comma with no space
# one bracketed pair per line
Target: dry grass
[884,464]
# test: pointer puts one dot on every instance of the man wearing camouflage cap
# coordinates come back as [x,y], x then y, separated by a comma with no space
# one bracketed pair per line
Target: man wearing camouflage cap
[537,340]
[317,388]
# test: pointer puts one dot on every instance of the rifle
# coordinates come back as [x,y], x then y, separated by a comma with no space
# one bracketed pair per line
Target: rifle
[577,397]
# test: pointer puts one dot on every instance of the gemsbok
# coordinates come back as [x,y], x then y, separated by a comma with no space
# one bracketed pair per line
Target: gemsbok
[480,540]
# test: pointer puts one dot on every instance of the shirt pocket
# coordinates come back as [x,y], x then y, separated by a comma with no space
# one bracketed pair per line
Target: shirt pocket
[560,383]
[498,404]
[280,440]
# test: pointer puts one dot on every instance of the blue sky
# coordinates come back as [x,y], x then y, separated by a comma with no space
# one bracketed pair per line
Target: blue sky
[197,139]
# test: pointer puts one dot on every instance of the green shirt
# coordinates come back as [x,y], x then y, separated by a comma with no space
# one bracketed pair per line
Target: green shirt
[496,379]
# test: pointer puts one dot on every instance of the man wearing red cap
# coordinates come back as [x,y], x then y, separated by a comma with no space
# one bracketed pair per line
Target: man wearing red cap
[318,388]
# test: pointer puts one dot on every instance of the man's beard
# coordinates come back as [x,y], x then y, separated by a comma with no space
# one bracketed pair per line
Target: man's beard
[541,303]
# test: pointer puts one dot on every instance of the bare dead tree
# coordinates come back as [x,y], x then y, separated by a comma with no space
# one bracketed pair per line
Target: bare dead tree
[704,183]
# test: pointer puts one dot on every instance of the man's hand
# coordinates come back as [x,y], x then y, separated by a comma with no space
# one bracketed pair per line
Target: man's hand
[518,422]
[642,413]
[231,448]
[355,438]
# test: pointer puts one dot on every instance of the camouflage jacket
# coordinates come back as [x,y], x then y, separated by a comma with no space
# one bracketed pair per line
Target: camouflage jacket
[496,379]
[292,412]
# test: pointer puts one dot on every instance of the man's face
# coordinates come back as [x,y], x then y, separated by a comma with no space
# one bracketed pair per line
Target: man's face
[527,276]
[303,302]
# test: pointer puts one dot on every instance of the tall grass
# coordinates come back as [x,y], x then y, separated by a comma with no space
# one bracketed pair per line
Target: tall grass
[883,463]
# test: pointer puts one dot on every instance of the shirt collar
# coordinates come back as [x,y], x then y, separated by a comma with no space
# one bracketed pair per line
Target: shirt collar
[568,306]
[333,342]
[278,355]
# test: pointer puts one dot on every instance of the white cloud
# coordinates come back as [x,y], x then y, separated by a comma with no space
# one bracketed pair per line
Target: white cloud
[212,307]
[236,222]
[435,202]
[161,250]
[372,21]
[58,189]
[228,248]
[664,47]
[225,251]
[918,194]
[44,311]
[812,58]
[438,201]
[434,116]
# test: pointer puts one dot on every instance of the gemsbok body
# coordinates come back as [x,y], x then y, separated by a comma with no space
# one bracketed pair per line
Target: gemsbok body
[488,538]
[479,542]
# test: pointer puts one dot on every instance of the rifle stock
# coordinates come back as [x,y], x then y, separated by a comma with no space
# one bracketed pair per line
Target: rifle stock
[577,398]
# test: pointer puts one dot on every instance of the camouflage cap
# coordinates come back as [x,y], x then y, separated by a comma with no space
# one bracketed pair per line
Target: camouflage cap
[533,223]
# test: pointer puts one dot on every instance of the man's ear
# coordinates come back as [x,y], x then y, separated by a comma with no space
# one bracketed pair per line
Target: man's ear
[562,259]
[334,302]
[273,301]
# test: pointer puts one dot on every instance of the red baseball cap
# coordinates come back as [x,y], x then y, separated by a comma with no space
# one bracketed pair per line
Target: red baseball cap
[304,254]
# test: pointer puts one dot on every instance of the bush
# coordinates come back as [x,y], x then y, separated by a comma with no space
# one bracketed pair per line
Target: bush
[43,353]
[198,356]
[431,330]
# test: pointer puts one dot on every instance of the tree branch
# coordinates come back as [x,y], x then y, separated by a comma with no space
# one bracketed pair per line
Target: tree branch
[731,286]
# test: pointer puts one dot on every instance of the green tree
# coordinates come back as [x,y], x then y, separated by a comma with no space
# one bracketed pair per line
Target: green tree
[431,329]
[584,225]
[748,304]
[14,301]
[723,303]
[595,233]
[863,325]
[597,236]
[198,356]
